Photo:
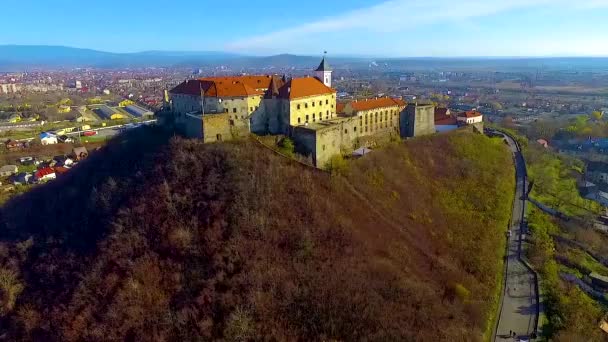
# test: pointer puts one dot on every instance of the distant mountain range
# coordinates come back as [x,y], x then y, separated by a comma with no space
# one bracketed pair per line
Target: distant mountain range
[18,57]
[27,57]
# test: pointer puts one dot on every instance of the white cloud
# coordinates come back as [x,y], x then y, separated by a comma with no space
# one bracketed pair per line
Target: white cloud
[398,15]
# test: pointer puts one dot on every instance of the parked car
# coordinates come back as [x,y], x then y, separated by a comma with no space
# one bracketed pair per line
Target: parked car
[65,139]
[26,160]
[89,133]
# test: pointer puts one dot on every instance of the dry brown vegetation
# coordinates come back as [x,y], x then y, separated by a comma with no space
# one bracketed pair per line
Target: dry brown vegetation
[173,240]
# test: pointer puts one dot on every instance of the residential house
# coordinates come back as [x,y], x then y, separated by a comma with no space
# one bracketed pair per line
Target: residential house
[45,174]
[47,138]
[23,178]
[8,170]
[14,118]
[470,117]
[80,153]
[544,143]
[15,145]
[597,172]
[444,120]
[63,161]
[61,170]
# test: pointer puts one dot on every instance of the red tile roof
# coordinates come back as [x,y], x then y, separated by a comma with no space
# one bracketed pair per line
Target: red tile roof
[381,102]
[340,107]
[44,172]
[470,114]
[231,86]
[400,102]
[61,170]
[446,120]
[304,87]
[440,112]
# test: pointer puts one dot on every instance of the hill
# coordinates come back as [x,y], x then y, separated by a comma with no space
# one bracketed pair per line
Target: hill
[166,239]
[15,57]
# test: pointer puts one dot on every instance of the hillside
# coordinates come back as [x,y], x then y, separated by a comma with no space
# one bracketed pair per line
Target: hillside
[167,239]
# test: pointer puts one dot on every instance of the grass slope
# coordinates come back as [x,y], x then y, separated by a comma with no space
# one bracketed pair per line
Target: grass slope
[150,240]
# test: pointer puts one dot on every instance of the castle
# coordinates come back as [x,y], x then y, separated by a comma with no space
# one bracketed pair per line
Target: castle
[302,108]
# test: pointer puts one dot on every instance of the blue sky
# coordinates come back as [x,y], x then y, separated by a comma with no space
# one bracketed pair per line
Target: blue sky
[395,28]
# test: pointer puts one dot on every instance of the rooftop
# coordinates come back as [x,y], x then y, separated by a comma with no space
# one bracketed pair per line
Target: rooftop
[320,125]
[368,104]
[230,86]
[324,66]
[304,87]
[469,114]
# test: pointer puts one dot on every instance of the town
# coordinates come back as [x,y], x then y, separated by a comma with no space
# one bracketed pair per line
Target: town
[330,116]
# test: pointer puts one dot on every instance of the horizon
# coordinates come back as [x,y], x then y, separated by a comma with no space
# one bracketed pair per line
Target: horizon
[438,29]
[329,55]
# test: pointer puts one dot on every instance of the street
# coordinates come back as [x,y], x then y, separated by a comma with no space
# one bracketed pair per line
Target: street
[519,307]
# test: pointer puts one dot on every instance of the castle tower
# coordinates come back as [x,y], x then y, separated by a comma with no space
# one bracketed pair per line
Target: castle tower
[323,72]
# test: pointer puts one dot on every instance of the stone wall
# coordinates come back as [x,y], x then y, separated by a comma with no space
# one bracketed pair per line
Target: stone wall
[416,120]
[216,127]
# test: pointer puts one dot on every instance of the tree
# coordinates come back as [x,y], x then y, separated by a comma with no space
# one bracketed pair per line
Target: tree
[287,147]
[597,115]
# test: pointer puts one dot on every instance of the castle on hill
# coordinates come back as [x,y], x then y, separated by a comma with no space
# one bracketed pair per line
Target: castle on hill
[302,108]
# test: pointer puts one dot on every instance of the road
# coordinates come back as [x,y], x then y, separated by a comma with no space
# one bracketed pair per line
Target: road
[519,307]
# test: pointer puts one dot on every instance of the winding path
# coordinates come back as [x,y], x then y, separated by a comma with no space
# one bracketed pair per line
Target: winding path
[519,307]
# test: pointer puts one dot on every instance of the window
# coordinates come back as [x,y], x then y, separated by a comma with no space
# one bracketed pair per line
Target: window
[256,107]
[320,115]
[326,101]
[327,113]
[299,119]
[234,110]
[225,110]
[313,103]
[251,109]
[323,147]
[306,105]
[355,128]
[345,131]
[313,116]
[306,118]
[320,103]
[298,106]
[366,128]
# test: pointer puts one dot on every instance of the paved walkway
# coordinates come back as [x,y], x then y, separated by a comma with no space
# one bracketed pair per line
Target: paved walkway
[519,307]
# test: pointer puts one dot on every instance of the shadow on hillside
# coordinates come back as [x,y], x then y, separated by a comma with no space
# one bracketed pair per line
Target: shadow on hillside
[75,210]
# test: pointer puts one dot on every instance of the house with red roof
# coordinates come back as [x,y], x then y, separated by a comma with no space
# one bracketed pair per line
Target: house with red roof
[470,117]
[45,174]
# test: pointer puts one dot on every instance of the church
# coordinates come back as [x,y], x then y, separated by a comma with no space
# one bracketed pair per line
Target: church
[302,108]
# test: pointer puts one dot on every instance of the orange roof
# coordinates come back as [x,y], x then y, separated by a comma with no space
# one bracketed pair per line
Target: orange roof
[340,107]
[446,120]
[231,86]
[470,114]
[440,112]
[304,87]
[400,102]
[368,104]
[258,82]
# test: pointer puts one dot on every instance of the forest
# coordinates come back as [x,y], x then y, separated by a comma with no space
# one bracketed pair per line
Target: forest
[159,238]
